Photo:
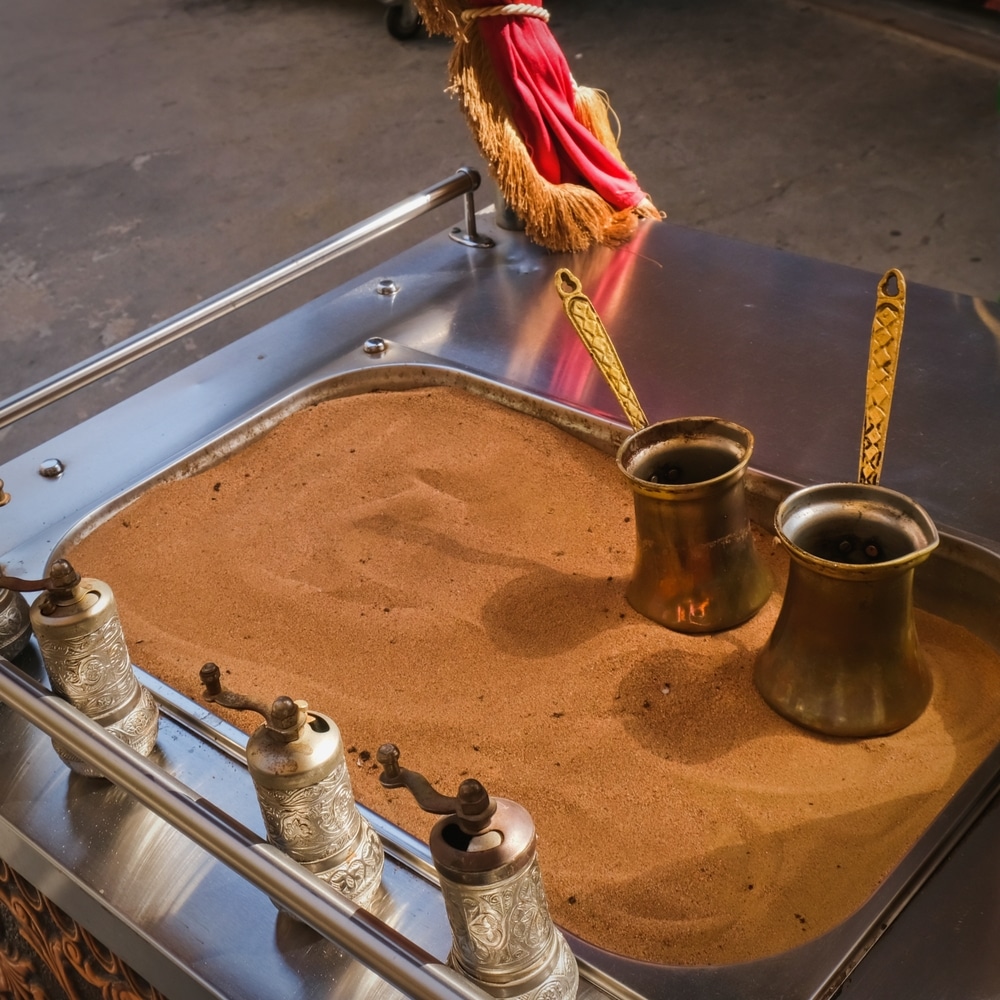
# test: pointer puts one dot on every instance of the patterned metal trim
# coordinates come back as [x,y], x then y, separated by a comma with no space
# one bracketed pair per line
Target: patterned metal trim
[88,663]
[138,729]
[44,955]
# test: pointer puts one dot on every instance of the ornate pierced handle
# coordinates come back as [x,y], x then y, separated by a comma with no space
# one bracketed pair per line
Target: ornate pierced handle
[588,325]
[887,331]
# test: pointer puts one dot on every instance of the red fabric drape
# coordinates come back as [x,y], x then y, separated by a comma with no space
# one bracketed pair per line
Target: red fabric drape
[535,76]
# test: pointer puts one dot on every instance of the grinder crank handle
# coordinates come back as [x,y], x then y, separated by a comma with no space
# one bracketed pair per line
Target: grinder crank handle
[393,776]
[472,807]
[62,577]
[284,717]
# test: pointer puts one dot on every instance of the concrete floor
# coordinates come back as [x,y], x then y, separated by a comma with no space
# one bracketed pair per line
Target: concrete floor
[155,152]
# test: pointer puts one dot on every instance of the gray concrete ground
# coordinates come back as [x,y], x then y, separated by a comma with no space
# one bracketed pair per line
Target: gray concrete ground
[154,152]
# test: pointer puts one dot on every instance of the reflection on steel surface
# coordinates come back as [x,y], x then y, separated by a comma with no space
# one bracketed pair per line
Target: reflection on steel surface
[843,657]
[47,951]
[887,331]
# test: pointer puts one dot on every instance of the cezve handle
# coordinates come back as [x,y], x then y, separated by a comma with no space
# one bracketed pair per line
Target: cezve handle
[588,325]
[883,355]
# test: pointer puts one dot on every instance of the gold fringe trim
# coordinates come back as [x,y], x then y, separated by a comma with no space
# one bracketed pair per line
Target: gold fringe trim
[559,217]
[593,111]
[441,17]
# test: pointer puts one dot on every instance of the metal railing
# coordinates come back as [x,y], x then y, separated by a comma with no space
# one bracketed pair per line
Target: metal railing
[463,182]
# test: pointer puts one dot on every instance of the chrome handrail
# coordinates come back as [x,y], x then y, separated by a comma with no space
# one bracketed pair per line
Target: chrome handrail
[463,182]
[387,953]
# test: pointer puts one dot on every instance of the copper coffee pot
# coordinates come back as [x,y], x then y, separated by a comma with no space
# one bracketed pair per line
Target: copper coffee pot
[696,567]
[843,658]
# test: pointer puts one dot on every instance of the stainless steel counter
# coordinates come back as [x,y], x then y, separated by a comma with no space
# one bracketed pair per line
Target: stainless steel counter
[704,325]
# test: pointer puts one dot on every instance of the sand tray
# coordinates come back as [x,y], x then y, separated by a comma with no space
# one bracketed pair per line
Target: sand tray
[436,570]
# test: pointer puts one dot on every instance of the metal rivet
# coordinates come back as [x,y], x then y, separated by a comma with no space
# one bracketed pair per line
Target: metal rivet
[51,468]
[386,286]
[375,345]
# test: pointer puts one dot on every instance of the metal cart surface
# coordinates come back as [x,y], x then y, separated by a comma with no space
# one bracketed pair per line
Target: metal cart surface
[771,340]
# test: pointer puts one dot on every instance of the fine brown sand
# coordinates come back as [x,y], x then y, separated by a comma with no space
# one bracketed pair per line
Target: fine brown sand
[433,569]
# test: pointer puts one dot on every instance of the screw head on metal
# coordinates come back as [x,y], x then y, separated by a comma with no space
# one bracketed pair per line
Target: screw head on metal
[386,286]
[4,495]
[52,468]
[375,345]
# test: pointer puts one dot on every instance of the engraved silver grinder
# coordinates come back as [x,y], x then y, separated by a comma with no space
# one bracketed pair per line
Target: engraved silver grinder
[15,624]
[503,937]
[296,760]
[75,620]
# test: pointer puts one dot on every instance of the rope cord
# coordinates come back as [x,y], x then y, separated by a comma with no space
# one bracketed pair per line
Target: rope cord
[506,10]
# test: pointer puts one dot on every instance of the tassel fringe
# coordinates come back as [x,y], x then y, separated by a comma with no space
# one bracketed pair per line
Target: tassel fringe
[559,217]
[593,111]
